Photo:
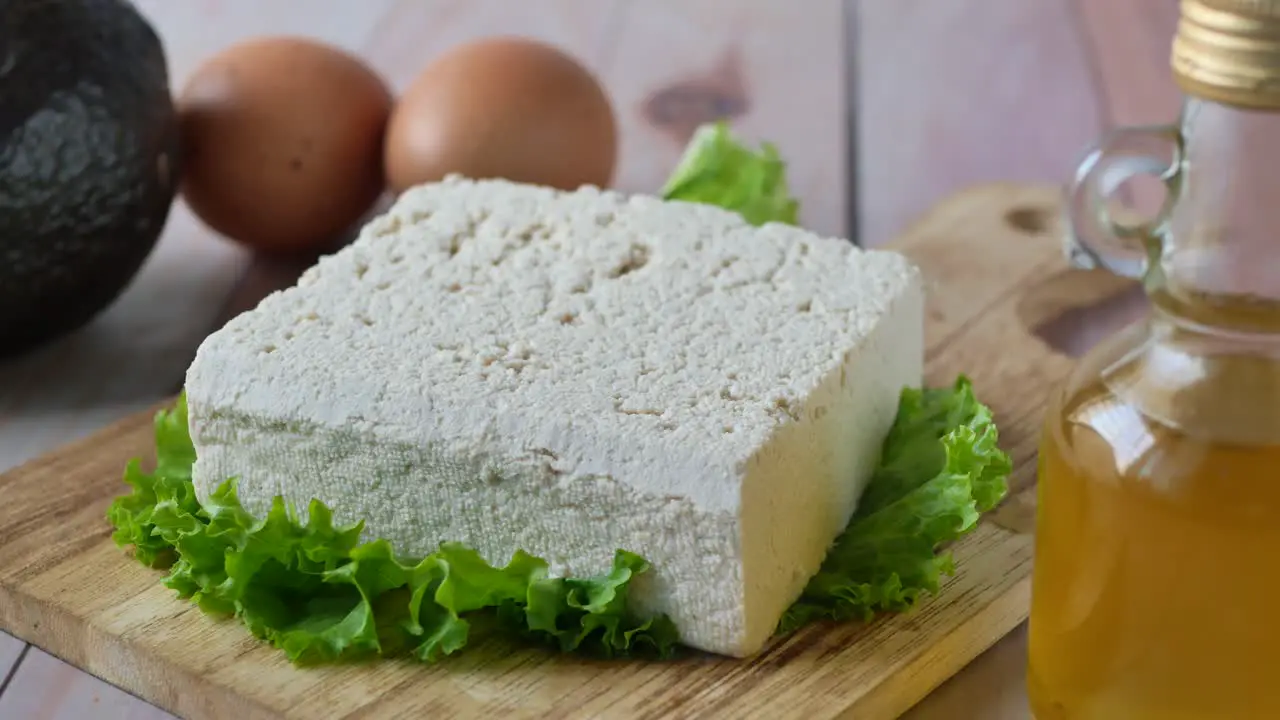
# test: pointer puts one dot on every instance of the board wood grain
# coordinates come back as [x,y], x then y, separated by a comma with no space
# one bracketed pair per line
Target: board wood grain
[995,275]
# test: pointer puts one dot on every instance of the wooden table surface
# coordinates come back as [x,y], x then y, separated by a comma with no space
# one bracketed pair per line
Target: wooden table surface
[881,108]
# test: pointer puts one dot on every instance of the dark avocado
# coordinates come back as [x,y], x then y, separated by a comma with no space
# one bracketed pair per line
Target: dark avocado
[89,161]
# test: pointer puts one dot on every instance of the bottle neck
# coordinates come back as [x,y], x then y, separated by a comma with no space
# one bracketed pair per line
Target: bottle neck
[1221,253]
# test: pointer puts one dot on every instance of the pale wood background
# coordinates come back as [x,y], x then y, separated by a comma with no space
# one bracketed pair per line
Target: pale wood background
[941,95]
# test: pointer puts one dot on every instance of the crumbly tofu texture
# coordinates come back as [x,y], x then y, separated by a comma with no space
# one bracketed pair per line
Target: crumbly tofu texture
[514,367]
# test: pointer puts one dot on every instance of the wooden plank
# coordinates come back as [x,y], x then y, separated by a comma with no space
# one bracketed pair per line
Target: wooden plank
[994,270]
[951,94]
[62,692]
[741,60]
[1129,46]
[10,652]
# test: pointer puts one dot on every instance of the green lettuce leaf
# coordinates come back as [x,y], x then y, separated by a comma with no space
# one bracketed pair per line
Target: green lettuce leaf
[716,169]
[940,469]
[315,591]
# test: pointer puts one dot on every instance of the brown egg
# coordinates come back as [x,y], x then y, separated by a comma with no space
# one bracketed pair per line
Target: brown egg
[507,108]
[282,142]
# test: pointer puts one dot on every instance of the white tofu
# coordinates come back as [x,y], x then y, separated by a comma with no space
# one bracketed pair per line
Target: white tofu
[513,367]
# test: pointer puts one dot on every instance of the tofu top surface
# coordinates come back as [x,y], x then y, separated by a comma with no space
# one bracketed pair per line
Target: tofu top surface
[655,343]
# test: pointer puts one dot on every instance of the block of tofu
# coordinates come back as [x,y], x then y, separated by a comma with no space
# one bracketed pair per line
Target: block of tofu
[513,367]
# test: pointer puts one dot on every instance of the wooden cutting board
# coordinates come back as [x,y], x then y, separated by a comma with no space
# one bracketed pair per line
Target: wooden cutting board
[997,285]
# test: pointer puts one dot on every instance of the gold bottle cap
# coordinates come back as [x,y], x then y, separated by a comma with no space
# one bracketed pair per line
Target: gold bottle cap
[1228,51]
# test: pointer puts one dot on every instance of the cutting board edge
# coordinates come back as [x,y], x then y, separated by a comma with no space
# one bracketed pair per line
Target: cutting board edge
[1011,609]
[79,642]
[82,643]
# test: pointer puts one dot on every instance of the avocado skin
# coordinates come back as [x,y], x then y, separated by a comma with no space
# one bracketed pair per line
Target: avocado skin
[89,161]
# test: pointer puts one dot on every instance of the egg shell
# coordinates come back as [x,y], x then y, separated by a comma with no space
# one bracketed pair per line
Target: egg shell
[503,107]
[282,142]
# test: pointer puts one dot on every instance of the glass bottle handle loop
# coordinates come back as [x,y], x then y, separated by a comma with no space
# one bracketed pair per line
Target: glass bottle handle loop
[1095,237]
